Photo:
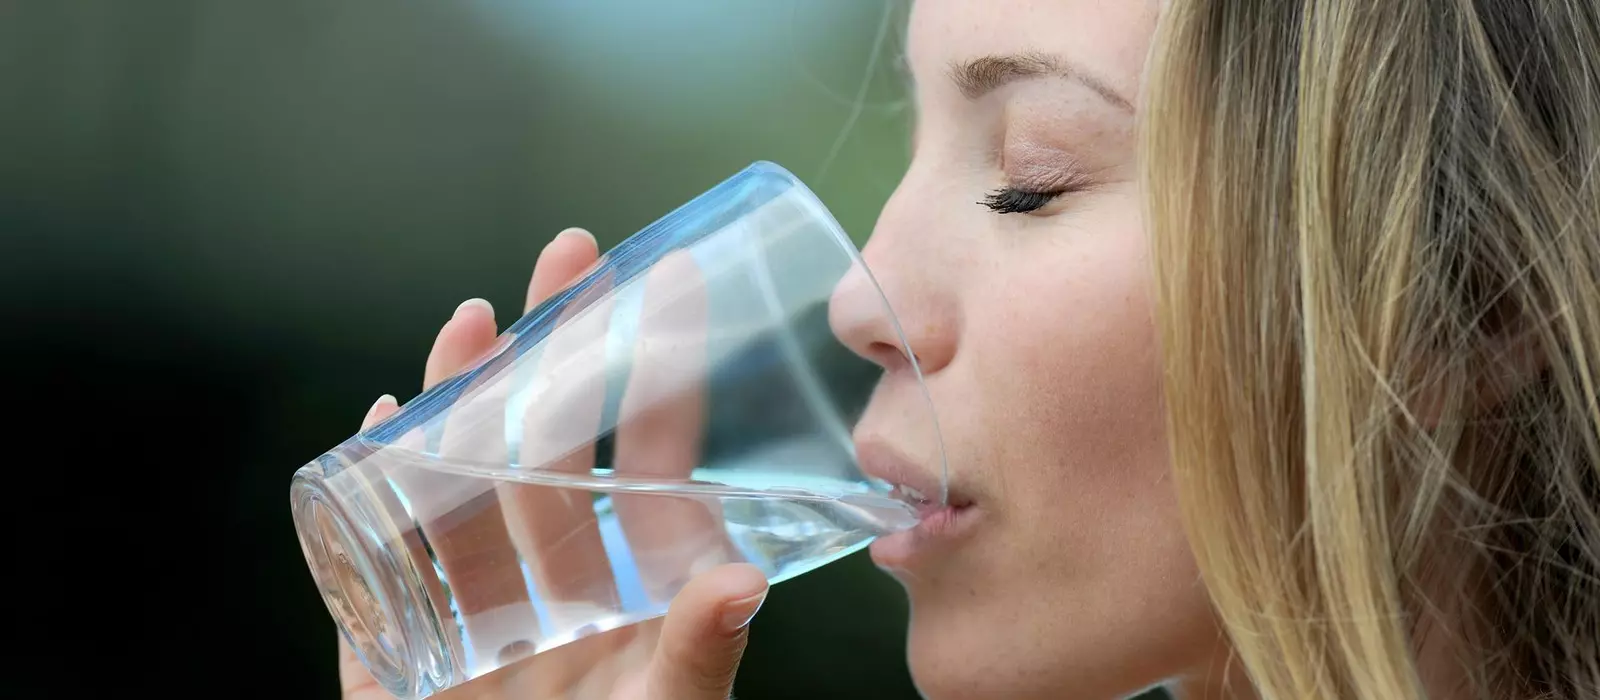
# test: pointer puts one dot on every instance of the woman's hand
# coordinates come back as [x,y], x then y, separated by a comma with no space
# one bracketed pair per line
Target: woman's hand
[691,654]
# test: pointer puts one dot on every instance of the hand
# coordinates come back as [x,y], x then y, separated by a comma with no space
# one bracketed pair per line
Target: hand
[693,652]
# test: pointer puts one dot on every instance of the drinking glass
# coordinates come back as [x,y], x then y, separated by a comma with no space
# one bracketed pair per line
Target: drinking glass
[684,403]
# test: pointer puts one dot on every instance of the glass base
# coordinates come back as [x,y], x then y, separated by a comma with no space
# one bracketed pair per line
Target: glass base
[377,600]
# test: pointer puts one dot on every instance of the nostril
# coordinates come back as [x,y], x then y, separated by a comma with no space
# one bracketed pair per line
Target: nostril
[887,355]
[861,317]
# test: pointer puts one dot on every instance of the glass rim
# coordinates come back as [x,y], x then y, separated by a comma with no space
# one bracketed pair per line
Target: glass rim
[820,211]
[384,433]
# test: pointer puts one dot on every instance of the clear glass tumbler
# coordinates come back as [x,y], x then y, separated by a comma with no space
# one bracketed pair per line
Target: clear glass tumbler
[686,402]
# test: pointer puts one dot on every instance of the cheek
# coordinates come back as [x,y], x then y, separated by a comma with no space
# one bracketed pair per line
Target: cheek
[1085,562]
[1075,343]
[1073,403]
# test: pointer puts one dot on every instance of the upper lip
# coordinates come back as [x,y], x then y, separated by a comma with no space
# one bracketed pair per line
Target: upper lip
[880,460]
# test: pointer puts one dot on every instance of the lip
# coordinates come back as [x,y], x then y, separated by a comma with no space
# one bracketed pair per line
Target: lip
[939,524]
[881,461]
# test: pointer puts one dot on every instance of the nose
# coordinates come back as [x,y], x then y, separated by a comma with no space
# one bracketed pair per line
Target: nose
[920,313]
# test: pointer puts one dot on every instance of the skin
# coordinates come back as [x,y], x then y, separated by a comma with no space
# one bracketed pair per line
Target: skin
[1069,573]
[691,654]
[1035,335]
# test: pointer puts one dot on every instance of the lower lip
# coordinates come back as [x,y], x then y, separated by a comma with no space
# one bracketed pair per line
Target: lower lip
[936,530]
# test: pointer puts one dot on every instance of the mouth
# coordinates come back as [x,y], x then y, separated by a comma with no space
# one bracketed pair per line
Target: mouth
[942,514]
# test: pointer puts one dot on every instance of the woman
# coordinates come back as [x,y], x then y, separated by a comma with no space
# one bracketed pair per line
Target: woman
[1290,387]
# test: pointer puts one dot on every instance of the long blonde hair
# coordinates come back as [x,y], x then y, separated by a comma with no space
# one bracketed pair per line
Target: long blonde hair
[1377,237]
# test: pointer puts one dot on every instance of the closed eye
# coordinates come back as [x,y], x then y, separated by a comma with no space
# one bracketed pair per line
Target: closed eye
[1010,200]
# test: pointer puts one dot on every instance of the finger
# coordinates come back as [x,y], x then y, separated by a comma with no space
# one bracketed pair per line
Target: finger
[497,611]
[557,529]
[468,334]
[381,409]
[461,517]
[591,668]
[704,635]
[567,256]
[355,682]
[660,432]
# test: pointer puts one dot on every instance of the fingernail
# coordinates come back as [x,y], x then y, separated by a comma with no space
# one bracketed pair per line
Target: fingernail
[386,399]
[576,232]
[474,303]
[739,613]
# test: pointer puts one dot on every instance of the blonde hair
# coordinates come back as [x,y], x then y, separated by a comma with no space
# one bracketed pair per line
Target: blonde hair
[1376,227]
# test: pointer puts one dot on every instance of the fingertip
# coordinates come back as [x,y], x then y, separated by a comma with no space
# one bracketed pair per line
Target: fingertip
[469,324]
[738,581]
[735,591]
[474,306]
[562,259]
[706,632]
[384,407]
[738,614]
[577,233]
[750,586]
[467,335]
[572,249]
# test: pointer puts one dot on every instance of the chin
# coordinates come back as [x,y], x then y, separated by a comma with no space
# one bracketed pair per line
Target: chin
[962,651]
[955,654]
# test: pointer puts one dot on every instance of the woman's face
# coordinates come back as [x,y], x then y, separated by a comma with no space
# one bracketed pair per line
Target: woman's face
[1065,572]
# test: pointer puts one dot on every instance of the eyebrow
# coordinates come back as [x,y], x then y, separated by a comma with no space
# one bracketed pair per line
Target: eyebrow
[981,76]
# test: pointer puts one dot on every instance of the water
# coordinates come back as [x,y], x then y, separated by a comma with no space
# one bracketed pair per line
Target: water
[444,571]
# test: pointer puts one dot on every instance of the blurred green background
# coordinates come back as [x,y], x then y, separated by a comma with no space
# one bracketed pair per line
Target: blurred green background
[227,226]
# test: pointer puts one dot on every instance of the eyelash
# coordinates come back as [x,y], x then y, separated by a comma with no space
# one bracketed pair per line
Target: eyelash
[1012,200]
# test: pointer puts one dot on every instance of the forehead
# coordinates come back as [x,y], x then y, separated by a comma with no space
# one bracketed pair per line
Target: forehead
[1107,37]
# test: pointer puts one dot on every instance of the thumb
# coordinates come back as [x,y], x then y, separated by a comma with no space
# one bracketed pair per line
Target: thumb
[704,634]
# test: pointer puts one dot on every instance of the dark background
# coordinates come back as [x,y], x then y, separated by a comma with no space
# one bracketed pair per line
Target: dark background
[227,226]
